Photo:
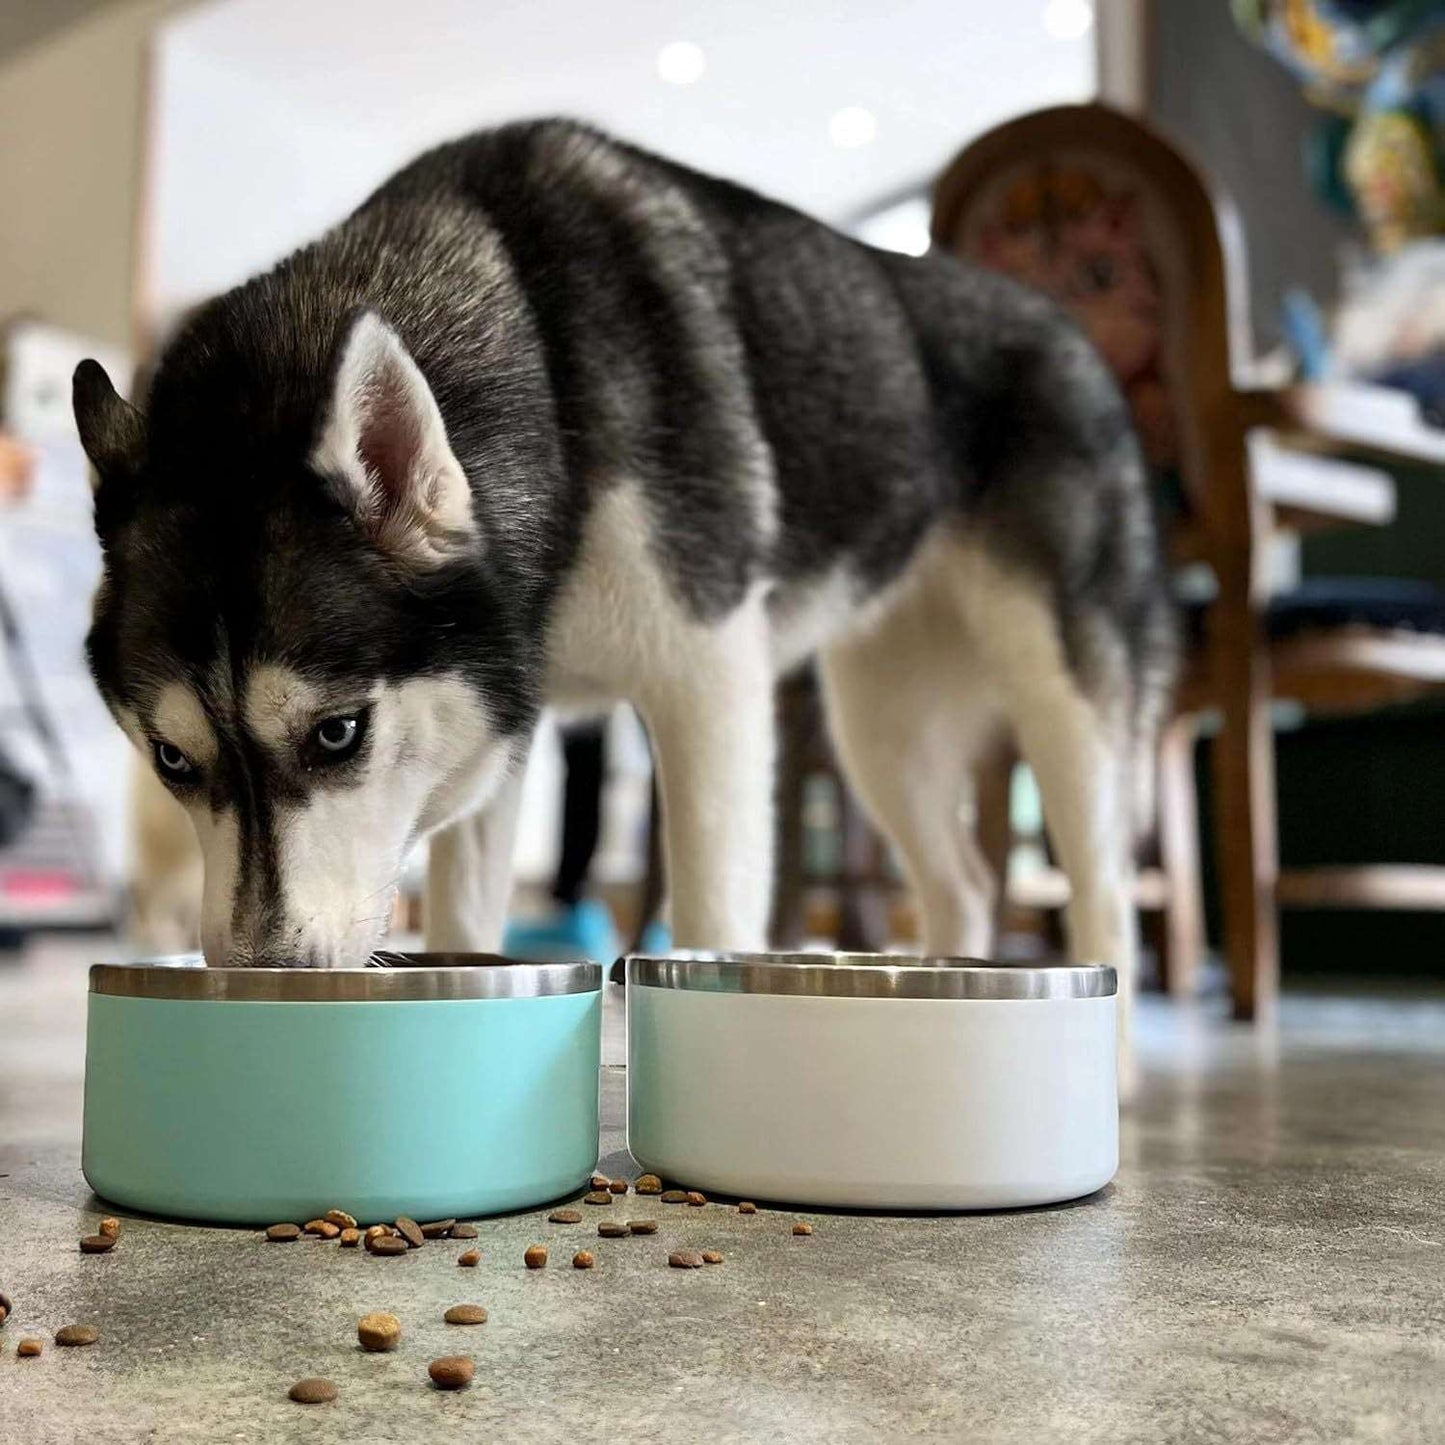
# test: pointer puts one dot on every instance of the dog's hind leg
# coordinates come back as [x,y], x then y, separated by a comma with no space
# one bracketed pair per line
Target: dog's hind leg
[469,875]
[910,716]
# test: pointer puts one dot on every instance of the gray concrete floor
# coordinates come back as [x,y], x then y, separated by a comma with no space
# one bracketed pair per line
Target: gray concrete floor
[1269,1265]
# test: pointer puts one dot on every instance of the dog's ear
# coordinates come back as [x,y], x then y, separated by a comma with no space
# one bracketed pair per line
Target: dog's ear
[112,431]
[383,444]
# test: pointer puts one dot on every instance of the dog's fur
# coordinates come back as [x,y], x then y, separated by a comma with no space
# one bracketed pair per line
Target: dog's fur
[552,420]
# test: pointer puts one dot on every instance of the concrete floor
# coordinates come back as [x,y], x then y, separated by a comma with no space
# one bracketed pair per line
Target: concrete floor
[1269,1265]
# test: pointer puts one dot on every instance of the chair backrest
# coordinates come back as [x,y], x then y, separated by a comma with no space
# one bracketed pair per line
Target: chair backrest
[1105,215]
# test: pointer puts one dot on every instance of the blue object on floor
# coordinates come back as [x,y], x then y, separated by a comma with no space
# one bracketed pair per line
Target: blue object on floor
[585,930]
[656,938]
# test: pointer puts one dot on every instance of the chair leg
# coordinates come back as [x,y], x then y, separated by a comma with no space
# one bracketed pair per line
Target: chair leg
[1247,838]
[1181,938]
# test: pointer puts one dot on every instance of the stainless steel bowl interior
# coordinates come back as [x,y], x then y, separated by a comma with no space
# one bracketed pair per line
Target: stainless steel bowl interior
[391,978]
[870,975]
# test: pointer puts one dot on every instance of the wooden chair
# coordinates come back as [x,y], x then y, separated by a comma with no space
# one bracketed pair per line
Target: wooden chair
[1106,214]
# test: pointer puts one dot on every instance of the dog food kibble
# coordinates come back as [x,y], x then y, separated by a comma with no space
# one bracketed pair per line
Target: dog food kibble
[565,1216]
[747,1207]
[451,1372]
[466,1315]
[109,1226]
[438,1229]
[618,1186]
[388,1244]
[674,1196]
[6,1308]
[612,1229]
[643,1226]
[711,1256]
[685,1259]
[410,1231]
[598,1196]
[28,1349]
[535,1257]
[695,1199]
[340,1218]
[469,1258]
[283,1233]
[350,1238]
[97,1243]
[77,1335]
[801,1228]
[598,1181]
[378,1331]
[314,1391]
[464,1231]
[583,1259]
[648,1184]
[377,1231]
[322,1228]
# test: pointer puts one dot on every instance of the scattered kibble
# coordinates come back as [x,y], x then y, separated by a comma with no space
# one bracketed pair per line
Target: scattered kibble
[283,1233]
[612,1229]
[378,1331]
[583,1259]
[410,1231]
[377,1231]
[695,1199]
[674,1196]
[598,1196]
[648,1184]
[643,1226]
[6,1308]
[618,1186]
[466,1315]
[350,1238]
[801,1228]
[565,1216]
[438,1229]
[711,1256]
[469,1258]
[322,1228]
[747,1207]
[77,1335]
[313,1391]
[685,1259]
[599,1181]
[387,1244]
[97,1243]
[535,1257]
[110,1225]
[29,1348]
[451,1372]
[464,1231]
[340,1218]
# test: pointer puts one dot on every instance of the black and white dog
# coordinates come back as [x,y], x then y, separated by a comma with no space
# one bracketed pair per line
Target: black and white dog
[552,420]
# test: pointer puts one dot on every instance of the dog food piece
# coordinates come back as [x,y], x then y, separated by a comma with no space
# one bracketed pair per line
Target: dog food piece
[111,1226]
[466,1315]
[340,1218]
[451,1372]
[469,1258]
[378,1331]
[695,1199]
[377,1231]
[410,1231]
[801,1228]
[598,1196]
[535,1257]
[648,1184]
[618,1186]
[685,1259]
[387,1244]
[464,1231]
[322,1228]
[283,1233]
[747,1207]
[350,1238]
[583,1259]
[77,1335]
[599,1181]
[438,1229]
[29,1348]
[565,1216]
[314,1391]
[6,1308]
[97,1243]
[612,1229]
[643,1226]
[711,1256]
[674,1196]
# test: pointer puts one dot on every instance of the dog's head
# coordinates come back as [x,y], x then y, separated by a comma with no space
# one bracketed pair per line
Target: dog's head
[303,627]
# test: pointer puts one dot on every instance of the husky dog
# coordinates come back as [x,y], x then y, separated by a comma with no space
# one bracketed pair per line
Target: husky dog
[551,420]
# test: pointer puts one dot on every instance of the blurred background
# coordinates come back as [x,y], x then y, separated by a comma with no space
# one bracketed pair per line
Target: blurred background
[158,151]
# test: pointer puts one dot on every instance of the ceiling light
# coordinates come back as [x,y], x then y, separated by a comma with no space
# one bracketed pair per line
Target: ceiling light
[852,127]
[681,62]
[1068,19]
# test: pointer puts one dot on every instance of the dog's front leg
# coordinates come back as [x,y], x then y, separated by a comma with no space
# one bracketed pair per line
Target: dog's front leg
[712,733]
[469,875]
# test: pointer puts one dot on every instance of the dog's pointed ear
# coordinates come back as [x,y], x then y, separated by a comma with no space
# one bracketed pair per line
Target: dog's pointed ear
[384,445]
[112,431]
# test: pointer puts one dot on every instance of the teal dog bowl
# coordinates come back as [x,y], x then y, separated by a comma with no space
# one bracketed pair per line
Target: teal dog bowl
[444,1084]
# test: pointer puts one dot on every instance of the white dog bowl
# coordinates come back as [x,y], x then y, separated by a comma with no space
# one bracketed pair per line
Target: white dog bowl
[873,1081]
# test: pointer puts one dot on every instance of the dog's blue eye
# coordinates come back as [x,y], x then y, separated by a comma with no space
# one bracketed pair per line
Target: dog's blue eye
[172,762]
[338,736]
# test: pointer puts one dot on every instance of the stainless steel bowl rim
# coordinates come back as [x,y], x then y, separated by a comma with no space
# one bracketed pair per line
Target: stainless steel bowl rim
[393,978]
[870,975]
